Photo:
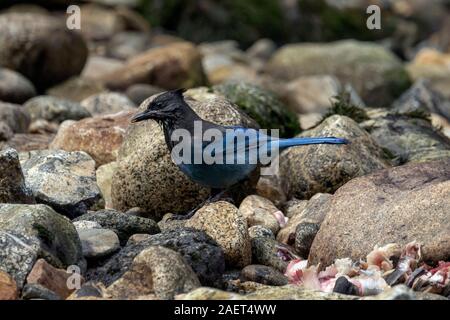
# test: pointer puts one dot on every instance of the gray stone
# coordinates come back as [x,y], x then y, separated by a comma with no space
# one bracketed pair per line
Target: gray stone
[107,103]
[98,243]
[263,274]
[15,117]
[54,109]
[269,252]
[14,87]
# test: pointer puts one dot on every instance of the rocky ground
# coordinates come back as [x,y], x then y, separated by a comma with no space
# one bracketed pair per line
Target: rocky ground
[80,187]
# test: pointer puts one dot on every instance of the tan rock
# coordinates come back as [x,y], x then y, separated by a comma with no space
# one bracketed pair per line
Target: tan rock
[260,211]
[8,287]
[104,175]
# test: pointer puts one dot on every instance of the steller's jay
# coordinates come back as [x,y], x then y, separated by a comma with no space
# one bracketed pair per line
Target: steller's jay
[231,160]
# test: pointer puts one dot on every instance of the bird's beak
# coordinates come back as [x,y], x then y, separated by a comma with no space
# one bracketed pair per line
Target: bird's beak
[145,115]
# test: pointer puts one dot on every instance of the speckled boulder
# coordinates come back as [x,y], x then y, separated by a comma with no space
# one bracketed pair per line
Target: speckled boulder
[15,117]
[396,205]
[14,87]
[107,103]
[31,231]
[63,180]
[147,178]
[223,223]
[202,253]
[261,105]
[269,252]
[100,136]
[307,170]
[176,65]
[55,109]
[260,211]
[377,75]
[12,181]
[104,175]
[263,274]
[156,270]
[41,48]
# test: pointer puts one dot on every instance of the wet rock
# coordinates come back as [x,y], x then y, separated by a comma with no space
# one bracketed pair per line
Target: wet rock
[201,252]
[54,109]
[308,170]
[173,66]
[31,231]
[261,105]
[260,211]
[224,223]
[375,73]
[97,66]
[104,175]
[50,277]
[8,287]
[125,225]
[147,178]
[396,205]
[12,181]
[139,92]
[15,117]
[41,48]
[77,89]
[308,214]
[38,292]
[107,103]
[408,139]
[98,243]
[269,252]
[263,274]
[99,136]
[63,180]
[157,270]
[23,142]
[14,87]
[260,231]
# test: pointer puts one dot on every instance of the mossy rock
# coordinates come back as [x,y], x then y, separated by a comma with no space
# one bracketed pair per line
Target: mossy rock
[261,105]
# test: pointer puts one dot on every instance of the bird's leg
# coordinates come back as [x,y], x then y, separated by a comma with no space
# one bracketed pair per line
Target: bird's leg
[214,196]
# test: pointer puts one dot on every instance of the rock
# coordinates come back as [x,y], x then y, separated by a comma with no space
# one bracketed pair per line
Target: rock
[12,181]
[50,277]
[263,274]
[38,292]
[396,205]
[423,100]
[100,23]
[262,49]
[124,225]
[14,87]
[31,231]
[23,142]
[99,136]
[147,178]
[85,224]
[176,65]
[8,287]
[308,170]
[224,223]
[107,103]
[41,48]
[408,139]
[126,45]
[104,175]
[201,252]
[98,243]
[269,252]
[293,207]
[89,290]
[259,231]
[97,66]
[306,214]
[156,270]
[42,126]
[260,211]
[375,73]
[6,132]
[15,117]
[402,292]
[77,89]
[55,109]
[139,92]
[269,187]
[262,106]
[309,94]
[63,180]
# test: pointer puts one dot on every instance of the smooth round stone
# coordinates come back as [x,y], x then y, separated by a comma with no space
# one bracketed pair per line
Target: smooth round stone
[97,243]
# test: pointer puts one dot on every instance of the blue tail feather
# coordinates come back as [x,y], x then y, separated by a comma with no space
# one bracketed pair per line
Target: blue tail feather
[286,143]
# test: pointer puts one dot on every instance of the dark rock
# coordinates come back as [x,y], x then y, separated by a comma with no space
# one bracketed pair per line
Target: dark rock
[263,274]
[14,87]
[15,117]
[35,291]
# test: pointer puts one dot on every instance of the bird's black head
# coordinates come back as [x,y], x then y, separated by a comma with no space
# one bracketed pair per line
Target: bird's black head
[167,106]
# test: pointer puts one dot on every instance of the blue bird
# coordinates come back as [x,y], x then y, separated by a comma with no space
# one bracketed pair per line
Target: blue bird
[214,156]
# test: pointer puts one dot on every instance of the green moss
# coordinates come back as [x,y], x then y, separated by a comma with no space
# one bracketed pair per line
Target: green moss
[344,107]
[263,106]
